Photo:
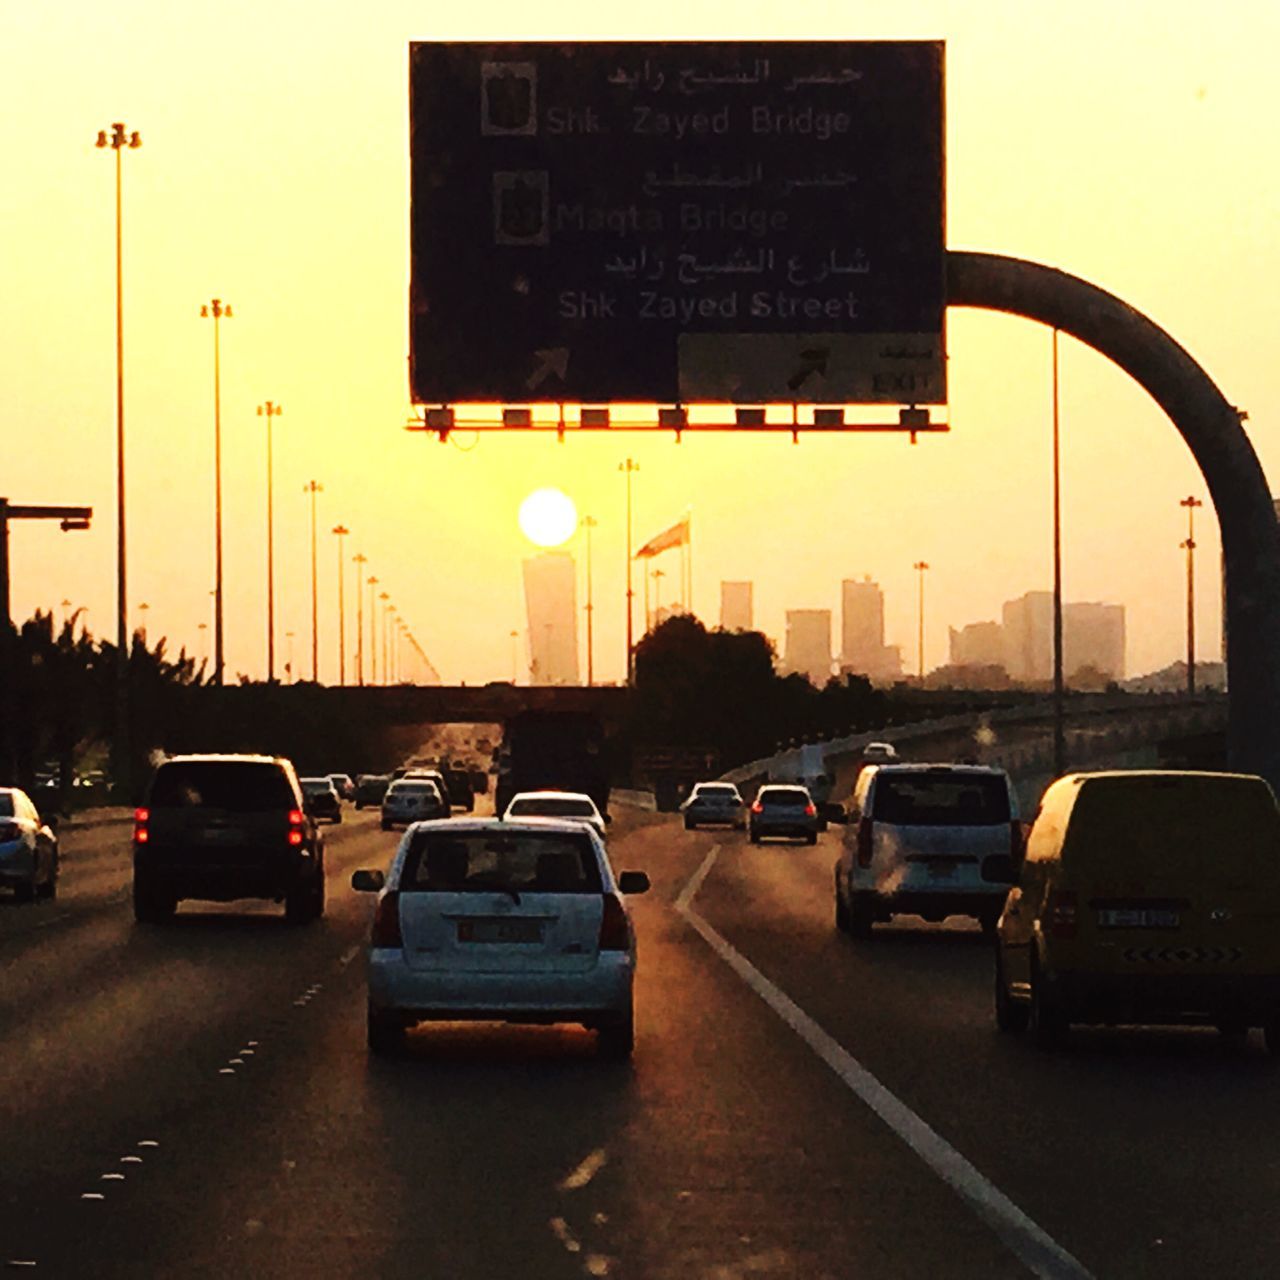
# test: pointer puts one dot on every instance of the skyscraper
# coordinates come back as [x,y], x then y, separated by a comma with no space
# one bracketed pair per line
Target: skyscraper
[736,608]
[862,649]
[550,582]
[808,648]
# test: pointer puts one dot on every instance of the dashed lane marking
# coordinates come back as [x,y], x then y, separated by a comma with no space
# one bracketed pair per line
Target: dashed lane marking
[1034,1247]
[587,1170]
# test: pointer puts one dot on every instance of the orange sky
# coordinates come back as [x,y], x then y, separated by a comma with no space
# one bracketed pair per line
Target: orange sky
[1132,145]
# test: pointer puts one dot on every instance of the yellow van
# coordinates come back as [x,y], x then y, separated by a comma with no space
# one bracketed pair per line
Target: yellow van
[1145,897]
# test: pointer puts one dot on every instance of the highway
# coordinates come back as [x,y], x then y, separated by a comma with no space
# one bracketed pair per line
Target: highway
[196,1100]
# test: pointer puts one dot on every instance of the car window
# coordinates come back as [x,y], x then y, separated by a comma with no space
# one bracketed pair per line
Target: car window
[554,807]
[6,804]
[239,788]
[941,799]
[312,785]
[414,789]
[716,793]
[780,796]
[485,861]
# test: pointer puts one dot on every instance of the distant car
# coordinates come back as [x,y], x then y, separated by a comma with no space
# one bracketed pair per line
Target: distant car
[879,752]
[370,788]
[1145,897]
[573,805]
[28,848]
[343,785]
[320,797]
[714,803]
[489,920]
[222,827]
[932,840]
[461,790]
[412,800]
[783,809]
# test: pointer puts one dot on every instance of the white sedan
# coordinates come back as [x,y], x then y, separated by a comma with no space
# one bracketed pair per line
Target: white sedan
[501,921]
[28,847]
[573,805]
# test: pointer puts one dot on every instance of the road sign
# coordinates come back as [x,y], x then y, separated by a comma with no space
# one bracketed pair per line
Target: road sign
[745,222]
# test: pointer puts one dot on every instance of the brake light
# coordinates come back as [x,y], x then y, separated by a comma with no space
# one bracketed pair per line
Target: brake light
[386,921]
[615,929]
[864,842]
[140,819]
[810,811]
[297,818]
[757,807]
[1061,914]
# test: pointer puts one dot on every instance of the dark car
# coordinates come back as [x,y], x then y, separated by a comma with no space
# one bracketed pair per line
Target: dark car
[320,798]
[343,785]
[370,788]
[457,778]
[222,827]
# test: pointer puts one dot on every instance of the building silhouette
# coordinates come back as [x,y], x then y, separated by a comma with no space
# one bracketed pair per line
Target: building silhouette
[736,606]
[808,645]
[862,647]
[550,593]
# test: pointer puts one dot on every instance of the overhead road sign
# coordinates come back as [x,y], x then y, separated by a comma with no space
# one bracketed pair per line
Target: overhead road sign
[744,222]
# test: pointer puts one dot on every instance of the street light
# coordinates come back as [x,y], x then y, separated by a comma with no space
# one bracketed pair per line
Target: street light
[270,410]
[589,523]
[1189,546]
[118,140]
[314,490]
[921,567]
[217,309]
[382,636]
[359,561]
[629,468]
[288,664]
[142,630]
[340,531]
[373,632]
[515,657]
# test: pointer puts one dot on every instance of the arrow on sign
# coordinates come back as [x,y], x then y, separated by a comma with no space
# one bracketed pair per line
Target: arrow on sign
[551,360]
[812,361]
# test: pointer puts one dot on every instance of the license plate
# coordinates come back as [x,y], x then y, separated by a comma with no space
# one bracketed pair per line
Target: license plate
[518,931]
[1137,918]
[941,870]
[220,835]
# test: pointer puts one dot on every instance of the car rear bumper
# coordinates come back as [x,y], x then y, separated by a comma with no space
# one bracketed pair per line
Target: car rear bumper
[1167,997]
[275,876]
[939,903]
[600,994]
[793,829]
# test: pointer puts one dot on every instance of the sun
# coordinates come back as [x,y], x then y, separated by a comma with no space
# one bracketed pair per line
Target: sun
[548,517]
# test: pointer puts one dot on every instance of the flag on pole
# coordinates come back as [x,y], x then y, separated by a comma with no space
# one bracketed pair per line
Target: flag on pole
[676,536]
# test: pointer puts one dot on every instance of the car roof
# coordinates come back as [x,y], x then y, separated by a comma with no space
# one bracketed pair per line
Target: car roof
[784,786]
[897,767]
[552,795]
[472,826]
[226,757]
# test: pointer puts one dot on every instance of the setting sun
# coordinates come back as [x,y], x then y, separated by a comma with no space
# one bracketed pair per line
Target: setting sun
[548,517]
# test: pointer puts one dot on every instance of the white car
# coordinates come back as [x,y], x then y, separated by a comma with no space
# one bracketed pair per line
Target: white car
[501,921]
[557,804]
[932,840]
[28,847]
[412,800]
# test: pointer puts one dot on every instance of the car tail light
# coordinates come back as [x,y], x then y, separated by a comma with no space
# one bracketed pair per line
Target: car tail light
[757,807]
[1061,914]
[140,819]
[864,842]
[297,820]
[615,929]
[9,831]
[810,811]
[386,921]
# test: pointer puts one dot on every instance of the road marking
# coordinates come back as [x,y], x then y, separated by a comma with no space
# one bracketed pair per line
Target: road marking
[585,1171]
[1034,1247]
[348,956]
[560,1229]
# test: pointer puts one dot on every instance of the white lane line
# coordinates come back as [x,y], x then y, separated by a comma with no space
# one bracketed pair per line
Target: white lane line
[1033,1246]
[587,1170]
[560,1229]
[348,956]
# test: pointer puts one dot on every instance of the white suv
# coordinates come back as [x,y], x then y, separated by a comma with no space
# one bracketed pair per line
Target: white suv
[932,840]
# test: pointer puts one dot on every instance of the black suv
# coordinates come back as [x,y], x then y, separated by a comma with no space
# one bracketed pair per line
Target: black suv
[222,827]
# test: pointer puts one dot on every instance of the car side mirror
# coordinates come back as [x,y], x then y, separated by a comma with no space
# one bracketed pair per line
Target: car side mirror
[368,881]
[833,813]
[633,882]
[608,819]
[999,869]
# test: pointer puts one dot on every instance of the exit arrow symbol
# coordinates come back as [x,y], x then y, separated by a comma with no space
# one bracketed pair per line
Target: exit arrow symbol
[812,361]
[551,360]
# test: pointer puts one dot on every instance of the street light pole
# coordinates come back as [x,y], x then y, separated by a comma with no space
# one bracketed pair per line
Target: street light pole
[118,140]
[629,468]
[1191,503]
[359,561]
[920,566]
[589,523]
[515,657]
[314,490]
[382,636]
[373,632]
[142,630]
[340,531]
[1059,680]
[269,411]
[217,309]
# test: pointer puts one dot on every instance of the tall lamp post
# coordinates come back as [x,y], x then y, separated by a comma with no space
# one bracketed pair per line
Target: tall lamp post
[314,490]
[1059,679]
[515,657]
[382,636]
[921,567]
[142,629]
[1189,546]
[359,561]
[269,411]
[629,468]
[118,139]
[217,309]
[589,523]
[373,631]
[340,531]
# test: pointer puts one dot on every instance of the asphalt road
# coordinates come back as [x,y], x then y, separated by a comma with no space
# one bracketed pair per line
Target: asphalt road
[196,1101]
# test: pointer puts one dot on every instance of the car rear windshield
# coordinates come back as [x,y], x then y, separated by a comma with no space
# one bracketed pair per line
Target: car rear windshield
[1218,830]
[413,789]
[790,796]
[6,805]
[316,785]
[716,793]
[941,799]
[238,787]
[489,861]
[553,808]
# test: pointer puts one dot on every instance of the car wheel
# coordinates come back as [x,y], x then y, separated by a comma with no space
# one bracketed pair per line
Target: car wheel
[49,890]
[616,1040]
[690,826]
[753,837]
[861,916]
[359,805]
[385,1032]
[842,913]
[1045,1018]
[150,906]
[337,819]
[1009,1015]
[989,920]
[386,826]
[25,892]
[299,906]
[811,838]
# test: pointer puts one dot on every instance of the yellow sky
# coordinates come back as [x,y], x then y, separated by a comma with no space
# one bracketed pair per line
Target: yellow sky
[1131,144]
